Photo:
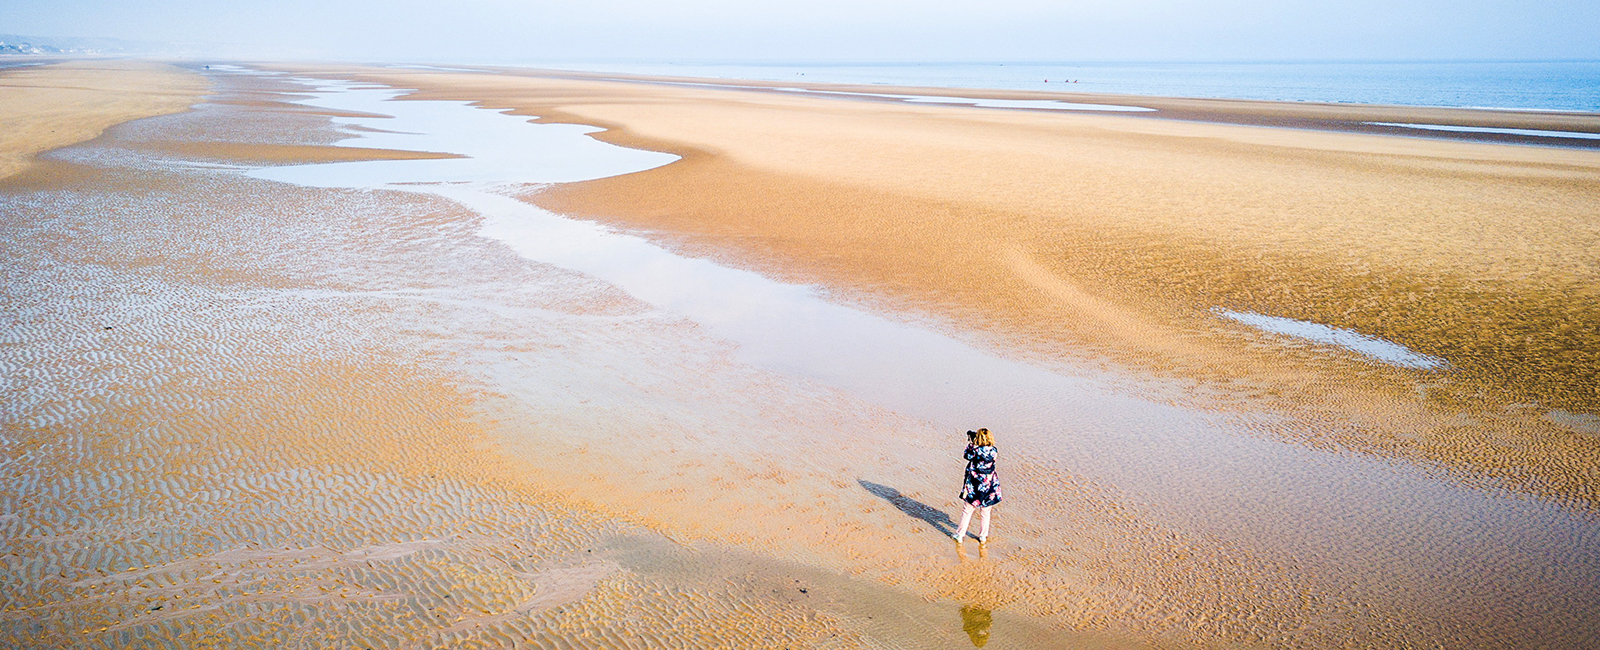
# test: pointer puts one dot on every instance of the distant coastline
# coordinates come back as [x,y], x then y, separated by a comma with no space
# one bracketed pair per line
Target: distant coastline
[1521,126]
[1502,85]
[14,46]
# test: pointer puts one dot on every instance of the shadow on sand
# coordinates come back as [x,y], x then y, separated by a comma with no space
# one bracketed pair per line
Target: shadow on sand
[933,516]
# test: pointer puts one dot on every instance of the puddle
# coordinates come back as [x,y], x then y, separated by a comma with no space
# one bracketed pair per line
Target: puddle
[1577,422]
[500,148]
[1372,347]
[239,69]
[1375,521]
[12,65]
[1538,133]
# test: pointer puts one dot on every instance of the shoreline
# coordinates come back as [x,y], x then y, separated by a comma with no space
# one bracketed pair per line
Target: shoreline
[1463,84]
[1306,115]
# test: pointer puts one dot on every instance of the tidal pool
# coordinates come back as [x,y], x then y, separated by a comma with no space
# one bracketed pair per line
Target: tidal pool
[1539,133]
[1369,346]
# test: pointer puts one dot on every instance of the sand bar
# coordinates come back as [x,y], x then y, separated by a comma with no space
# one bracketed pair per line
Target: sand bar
[53,105]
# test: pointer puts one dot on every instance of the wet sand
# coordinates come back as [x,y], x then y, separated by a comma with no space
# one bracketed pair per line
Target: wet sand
[244,414]
[388,428]
[1114,236]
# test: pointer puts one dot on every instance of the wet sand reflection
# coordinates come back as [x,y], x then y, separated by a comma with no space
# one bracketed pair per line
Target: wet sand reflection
[976,621]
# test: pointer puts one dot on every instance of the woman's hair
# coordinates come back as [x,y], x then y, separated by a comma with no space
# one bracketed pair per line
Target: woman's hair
[982,438]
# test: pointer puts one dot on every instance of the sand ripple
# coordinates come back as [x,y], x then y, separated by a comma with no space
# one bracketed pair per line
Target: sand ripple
[242,414]
[215,435]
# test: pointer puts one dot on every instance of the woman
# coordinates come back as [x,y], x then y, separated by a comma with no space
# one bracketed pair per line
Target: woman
[980,488]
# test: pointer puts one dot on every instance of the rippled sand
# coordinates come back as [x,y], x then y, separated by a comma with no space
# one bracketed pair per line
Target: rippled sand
[344,419]
[237,415]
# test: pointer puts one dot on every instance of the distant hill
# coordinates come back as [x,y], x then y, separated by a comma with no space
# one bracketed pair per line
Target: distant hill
[14,44]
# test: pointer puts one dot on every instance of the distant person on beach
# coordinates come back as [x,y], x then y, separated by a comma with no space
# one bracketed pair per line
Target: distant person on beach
[980,488]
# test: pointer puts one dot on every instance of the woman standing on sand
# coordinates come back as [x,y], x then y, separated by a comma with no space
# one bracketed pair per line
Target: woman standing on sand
[980,488]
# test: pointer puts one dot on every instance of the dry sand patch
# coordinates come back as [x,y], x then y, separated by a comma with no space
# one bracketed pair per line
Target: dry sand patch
[55,105]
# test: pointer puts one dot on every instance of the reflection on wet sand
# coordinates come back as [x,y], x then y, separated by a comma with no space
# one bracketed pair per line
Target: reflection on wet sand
[976,621]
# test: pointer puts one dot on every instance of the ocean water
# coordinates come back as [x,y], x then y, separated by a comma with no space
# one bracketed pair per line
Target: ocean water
[1527,85]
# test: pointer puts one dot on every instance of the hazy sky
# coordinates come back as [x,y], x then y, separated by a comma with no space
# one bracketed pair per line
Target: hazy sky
[901,30]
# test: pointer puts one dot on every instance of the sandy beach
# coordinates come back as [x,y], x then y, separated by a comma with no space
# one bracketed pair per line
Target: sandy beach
[243,411]
[1122,234]
[48,107]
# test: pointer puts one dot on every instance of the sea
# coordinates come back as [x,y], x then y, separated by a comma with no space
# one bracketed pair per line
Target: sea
[1521,85]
